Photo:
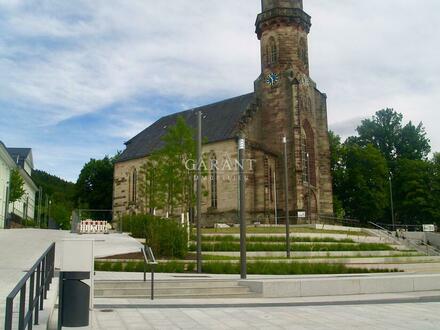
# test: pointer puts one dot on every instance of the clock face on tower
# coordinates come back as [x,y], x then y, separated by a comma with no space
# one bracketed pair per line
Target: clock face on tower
[272,79]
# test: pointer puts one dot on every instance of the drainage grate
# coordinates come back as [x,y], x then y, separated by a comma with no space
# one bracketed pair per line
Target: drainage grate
[106,310]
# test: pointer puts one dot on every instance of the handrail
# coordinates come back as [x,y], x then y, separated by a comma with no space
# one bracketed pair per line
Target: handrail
[43,269]
[149,259]
[389,233]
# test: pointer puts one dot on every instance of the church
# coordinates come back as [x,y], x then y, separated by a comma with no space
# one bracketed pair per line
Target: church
[285,109]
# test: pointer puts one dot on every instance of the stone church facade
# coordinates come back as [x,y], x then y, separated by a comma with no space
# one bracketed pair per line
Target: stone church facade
[285,103]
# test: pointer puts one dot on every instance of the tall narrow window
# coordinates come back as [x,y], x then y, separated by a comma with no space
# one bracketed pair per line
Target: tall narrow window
[271,184]
[272,56]
[304,158]
[214,199]
[133,192]
[308,154]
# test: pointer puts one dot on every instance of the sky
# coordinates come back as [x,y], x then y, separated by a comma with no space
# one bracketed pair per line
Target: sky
[78,78]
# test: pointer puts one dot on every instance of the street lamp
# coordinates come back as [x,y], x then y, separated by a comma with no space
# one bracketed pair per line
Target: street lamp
[241,153]
[199,192]
[286,197]
[391,201]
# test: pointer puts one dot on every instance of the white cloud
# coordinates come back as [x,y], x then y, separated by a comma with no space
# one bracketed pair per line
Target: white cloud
[61,60]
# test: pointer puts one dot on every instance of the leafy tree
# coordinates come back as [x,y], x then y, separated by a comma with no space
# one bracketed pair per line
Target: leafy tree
[166,183]
[386,132]
[336,165]
[95,184]
[16,186]
[415,183]
[363,187]
[413,143]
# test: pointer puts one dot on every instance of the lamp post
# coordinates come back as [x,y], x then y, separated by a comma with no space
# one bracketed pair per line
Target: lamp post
[391,201]
[241,153]
[199,192]
[309,205]
[286,197]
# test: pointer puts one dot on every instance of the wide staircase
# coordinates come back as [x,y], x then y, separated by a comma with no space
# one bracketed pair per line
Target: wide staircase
[372,250]
[179,288]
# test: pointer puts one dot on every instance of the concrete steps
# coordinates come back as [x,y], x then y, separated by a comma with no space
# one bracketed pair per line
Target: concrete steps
[176,289]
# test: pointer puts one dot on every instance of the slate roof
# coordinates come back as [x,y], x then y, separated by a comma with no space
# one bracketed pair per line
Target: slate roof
[220,122]
[19,155]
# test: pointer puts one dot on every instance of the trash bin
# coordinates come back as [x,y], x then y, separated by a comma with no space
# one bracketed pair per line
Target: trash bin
[74,299]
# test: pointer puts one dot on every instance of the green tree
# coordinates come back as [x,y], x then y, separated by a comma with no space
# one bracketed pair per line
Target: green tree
[415,184]
[364,186]
[166,182]
[337,170]
[95,184]
[16,186]
[386,132]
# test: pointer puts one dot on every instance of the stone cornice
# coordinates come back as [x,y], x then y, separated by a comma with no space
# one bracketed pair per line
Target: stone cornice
[289,15]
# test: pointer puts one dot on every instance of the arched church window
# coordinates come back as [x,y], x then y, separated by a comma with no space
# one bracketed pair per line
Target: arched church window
[272,51]
[304,157]
[303,52]
[214,182]
[308,154]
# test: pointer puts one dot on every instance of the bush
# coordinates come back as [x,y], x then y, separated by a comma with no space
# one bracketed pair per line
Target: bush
[166,237]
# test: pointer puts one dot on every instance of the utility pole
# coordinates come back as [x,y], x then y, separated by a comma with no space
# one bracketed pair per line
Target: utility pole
[392,202]
[241,153]
[199,192]
[286,197]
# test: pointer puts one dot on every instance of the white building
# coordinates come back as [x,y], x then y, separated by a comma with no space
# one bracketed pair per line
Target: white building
[25,207]
[6,165]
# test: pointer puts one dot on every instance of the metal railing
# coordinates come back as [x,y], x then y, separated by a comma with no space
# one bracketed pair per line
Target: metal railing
[149,259]
[40,277]
[421,246]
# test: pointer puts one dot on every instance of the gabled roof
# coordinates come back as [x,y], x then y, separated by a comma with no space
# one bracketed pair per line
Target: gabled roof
[19,155]
[220,122]
[4,154]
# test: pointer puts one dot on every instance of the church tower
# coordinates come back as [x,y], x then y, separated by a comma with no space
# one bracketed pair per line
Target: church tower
[292,106]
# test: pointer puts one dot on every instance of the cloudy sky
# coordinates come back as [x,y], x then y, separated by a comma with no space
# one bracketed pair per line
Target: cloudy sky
[79,78]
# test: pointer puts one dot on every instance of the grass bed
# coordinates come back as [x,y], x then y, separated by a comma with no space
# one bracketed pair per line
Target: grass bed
[260,268]
[251,239]
[259,247]
[279,230]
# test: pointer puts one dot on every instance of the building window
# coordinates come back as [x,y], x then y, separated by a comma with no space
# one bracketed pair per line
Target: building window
[304,158]
[133,186]
[214,187]
[302,52]
[272,51]
[308,154]
[271,184]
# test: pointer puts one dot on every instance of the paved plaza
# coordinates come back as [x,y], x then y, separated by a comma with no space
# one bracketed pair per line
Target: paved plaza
[411,316]
[20,249]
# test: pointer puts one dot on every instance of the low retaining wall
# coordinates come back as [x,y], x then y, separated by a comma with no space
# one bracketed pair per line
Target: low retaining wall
[352,285]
